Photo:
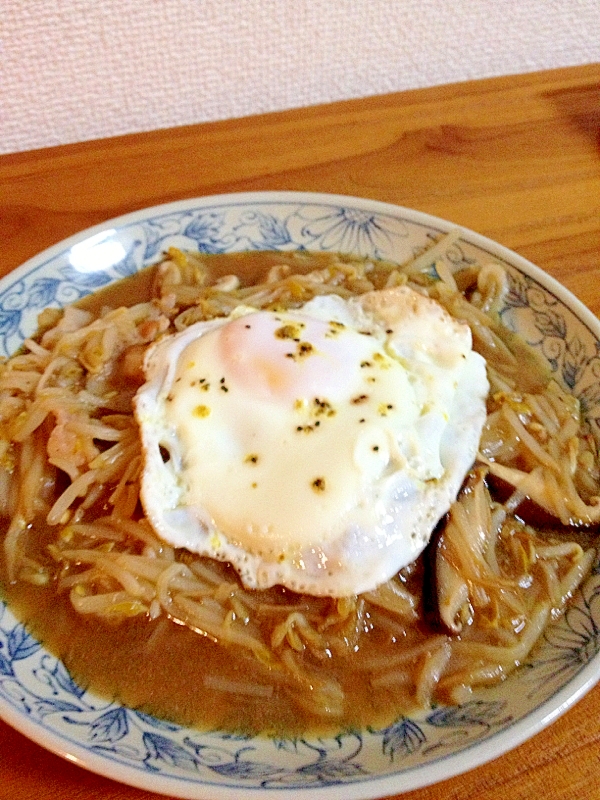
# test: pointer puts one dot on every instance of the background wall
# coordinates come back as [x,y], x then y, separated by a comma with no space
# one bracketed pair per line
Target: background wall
[72,70]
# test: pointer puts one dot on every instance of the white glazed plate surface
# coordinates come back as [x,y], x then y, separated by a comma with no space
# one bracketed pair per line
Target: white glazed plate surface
[39,698]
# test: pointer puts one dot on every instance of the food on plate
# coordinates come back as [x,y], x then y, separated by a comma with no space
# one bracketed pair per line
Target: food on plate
[343,429]
[322,489]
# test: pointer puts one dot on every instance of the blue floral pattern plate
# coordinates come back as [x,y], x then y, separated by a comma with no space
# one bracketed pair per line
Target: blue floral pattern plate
[38,696]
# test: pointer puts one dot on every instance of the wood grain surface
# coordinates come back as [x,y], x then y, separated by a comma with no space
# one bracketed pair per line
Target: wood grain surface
[515,158]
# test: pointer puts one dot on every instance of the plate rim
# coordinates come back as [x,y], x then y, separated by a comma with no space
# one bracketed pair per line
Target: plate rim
[290,196]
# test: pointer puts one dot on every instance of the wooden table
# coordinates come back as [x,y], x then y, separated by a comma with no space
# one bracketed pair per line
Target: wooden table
[515,158]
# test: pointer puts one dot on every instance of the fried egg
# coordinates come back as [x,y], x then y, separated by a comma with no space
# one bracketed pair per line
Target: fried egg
[314,448]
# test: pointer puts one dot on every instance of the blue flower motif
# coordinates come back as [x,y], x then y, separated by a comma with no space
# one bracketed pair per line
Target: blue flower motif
[259,230]
[6,666]
[159,724]
[59,677]
[10,322]
[155,231]
[479,713]
[575,361]
[86,281]
[516,297]
[21,643]
[205,230]
[128,266]
[246,770]
[288,745]
[570,644]
[549,323]
[110,726]
[403,738]
[352,230]
[589,399]
[43,292]
[329,772]
[458,258]
[160,748]
[575,643]
[45,707]
[272,232]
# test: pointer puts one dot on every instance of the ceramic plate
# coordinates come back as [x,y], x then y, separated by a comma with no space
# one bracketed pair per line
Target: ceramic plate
[38,696]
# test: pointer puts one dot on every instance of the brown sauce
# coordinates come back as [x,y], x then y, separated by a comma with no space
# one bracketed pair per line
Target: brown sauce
[159,667]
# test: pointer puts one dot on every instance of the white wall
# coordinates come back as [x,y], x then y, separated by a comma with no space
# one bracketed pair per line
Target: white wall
[72,70]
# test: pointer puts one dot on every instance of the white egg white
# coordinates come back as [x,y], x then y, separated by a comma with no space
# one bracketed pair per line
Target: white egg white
[315,448]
